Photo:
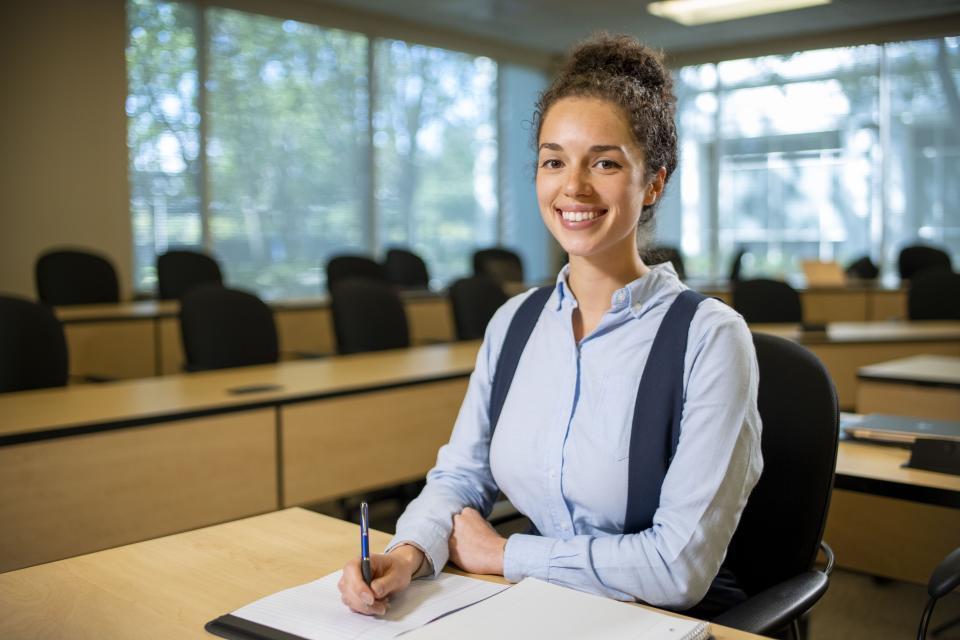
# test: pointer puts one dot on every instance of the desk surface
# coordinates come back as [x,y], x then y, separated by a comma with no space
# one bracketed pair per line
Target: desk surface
[867,332]
[186,395]
[170,587]
[938,370]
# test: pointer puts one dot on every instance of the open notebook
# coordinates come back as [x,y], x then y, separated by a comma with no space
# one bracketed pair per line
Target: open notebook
[530,609]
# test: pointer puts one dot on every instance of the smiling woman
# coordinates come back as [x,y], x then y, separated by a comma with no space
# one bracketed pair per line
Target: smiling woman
[628,432]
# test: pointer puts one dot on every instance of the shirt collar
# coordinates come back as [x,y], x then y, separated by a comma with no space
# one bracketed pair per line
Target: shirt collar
[639,295]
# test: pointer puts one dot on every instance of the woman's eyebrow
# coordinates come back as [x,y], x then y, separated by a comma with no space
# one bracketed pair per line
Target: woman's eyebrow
[597,148]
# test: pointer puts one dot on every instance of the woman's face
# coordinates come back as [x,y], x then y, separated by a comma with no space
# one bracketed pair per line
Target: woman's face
[590,178]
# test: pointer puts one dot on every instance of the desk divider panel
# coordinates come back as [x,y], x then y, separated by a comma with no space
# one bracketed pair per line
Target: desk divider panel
[430,320]
[170,345]
[72,495]
[905,399]
[834,306]
[341,446]
[888,305]
[112,348]
[305,330]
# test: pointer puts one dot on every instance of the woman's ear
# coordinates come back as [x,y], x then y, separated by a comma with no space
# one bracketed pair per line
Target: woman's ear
[655,187]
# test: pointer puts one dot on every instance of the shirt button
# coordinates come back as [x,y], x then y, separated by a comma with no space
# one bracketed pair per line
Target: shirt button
[620,297]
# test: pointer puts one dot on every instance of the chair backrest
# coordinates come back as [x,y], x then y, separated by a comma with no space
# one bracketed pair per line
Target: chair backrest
[180,271]
[33,350]
[737,265]
[498,263]
[342,267]
[918,257]
[406,269]
[767,301]
[65,276]
[863,268]
[226,328]
[782,525]
[368,316]
[659,254]
[474,301]
[934,294]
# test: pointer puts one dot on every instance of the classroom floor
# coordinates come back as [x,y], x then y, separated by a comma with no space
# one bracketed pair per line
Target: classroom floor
[855,607]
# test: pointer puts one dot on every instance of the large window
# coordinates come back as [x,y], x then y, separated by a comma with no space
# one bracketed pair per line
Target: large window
[276,144]
[830,154]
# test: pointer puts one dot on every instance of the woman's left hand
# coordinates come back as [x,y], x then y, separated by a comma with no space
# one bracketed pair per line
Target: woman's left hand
[475,546]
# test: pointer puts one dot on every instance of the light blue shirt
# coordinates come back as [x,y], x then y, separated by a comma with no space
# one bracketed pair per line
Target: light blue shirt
[561,449]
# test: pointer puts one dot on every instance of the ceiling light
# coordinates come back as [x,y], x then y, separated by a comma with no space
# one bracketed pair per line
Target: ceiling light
[694,12]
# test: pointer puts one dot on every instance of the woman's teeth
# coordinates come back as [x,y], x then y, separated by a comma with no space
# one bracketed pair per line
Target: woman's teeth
[580,216]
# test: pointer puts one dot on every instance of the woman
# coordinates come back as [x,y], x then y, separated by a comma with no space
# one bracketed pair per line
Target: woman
[562,447]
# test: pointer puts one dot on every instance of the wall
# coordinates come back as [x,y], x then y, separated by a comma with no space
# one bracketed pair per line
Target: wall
[63,154]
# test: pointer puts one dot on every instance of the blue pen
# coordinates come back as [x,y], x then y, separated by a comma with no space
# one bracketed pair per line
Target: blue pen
[365,544]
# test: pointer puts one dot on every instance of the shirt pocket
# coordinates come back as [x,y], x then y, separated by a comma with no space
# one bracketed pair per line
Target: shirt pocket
[614,413]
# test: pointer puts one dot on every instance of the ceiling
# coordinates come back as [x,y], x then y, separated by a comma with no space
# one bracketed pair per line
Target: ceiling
[551,26]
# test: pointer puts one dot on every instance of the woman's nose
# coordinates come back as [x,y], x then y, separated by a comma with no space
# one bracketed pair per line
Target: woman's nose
[577,183]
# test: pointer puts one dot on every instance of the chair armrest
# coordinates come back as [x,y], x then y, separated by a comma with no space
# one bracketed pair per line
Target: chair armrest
[774,608]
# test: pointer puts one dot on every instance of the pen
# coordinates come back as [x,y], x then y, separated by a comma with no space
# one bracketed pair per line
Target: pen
[365,544]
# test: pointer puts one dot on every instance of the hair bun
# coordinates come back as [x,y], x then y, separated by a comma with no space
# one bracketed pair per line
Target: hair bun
[619,55]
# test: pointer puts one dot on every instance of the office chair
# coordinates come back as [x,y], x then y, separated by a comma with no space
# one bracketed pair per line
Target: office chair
[33,350]
[498,263]
[863,269]
[342,267]
[368,316]
[67,276]
[767,301]
[659,254]
[226,328]
[774,548]
[180,271]
[943,580]
[934,294]
[918,257]
[406,269]
[737,265]
[474,301]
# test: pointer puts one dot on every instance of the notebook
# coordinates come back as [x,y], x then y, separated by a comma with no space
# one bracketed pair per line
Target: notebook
[536,609]
[823,274]
[880,427]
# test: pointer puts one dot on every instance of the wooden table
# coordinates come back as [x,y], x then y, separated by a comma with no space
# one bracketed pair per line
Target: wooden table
[845,347]
[141,339]
[170,587]
[95,466]
[891,521]
[920,386]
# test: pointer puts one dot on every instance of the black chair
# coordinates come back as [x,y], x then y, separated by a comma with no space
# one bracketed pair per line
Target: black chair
[33,350]
[368,316]
[763,300]
[340,268]
[180,271]
[934,294]
[659,254]
[775,546]
[737,265]
[498,263]
[474,301]
[863,268]
[66,276]
[944,579]
[406,269]
[918,257]
[226,328]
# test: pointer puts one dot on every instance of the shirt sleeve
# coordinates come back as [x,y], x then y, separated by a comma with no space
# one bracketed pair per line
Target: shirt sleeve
[716,465]
[461,477]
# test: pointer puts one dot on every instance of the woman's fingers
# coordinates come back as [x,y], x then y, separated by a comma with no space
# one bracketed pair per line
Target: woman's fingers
[356,594]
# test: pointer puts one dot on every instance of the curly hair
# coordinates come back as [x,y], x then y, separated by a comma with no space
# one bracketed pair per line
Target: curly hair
[619,69]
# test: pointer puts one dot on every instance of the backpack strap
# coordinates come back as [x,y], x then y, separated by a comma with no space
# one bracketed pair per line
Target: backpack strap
[657,412]
[518,333]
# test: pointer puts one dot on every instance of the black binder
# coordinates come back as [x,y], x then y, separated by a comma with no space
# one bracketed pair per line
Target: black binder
[235,628]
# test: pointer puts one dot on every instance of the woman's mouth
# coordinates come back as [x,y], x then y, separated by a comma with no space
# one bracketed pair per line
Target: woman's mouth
[579,217]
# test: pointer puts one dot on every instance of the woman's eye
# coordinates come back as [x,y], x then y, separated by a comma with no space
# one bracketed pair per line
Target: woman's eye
[607,164]
[551,163]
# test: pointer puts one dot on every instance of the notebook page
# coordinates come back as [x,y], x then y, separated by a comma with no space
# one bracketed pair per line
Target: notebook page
[314,610]
[536,609]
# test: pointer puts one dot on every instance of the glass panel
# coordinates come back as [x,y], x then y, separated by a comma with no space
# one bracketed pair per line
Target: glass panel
[435,153]
[287,107]
[162,132]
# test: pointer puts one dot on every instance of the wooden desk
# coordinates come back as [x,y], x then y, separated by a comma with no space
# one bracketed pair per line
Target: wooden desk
[848,346]
[921,386]
[140,339]
[889,521]
[95,466]
[170,587]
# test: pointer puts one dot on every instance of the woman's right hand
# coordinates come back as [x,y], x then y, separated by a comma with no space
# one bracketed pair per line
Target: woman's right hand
[392,573]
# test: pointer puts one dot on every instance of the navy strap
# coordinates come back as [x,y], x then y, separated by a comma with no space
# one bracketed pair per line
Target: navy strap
[521,326]
[657,413]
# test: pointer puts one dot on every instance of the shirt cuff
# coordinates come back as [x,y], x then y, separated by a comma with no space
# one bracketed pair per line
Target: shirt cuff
[527,556]
[433,544]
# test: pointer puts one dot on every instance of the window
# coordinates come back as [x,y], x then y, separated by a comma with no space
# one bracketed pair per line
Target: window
[270,143]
